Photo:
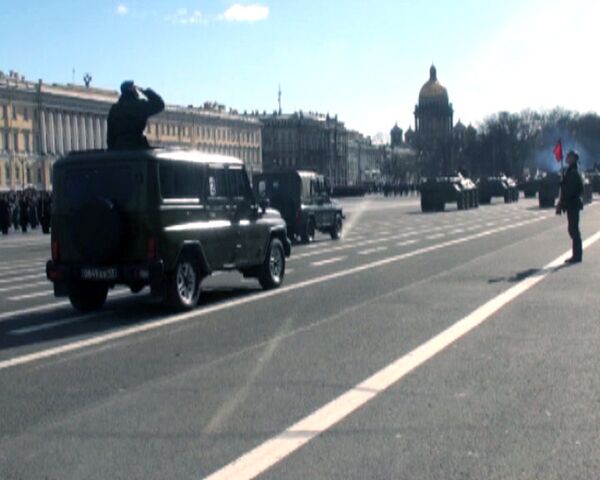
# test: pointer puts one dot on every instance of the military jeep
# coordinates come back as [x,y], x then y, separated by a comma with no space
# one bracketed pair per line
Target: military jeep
[303,199]
[159,218]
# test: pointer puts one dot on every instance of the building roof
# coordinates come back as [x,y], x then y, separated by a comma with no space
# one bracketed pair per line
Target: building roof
[433,91]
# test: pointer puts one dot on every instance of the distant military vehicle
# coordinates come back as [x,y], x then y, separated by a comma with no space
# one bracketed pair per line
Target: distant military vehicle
[594,178]
[436,192]
[501,186]
[588,189]
[303,199]
[529,185]
[549,188]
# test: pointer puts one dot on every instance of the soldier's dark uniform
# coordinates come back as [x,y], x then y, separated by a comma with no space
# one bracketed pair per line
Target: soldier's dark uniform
[127,118]
[571,189]
[4,215]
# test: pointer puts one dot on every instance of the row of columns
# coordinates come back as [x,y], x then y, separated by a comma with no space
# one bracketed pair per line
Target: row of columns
[61,133]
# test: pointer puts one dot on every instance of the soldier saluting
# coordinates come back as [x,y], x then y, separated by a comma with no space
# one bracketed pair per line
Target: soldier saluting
[127,117]
[571,189]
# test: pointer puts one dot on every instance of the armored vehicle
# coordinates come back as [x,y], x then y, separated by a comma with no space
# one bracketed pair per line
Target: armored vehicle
[303,199]
[594,178]
[549,188]
[159,218]
[436,192]
[529,186]
[588,189]
[501,186]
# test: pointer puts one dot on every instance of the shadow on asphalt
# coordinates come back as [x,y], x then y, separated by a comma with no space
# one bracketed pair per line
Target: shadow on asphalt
[117,313]
[520,276]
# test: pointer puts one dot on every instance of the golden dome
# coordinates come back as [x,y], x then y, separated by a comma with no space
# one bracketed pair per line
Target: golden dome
[433,91]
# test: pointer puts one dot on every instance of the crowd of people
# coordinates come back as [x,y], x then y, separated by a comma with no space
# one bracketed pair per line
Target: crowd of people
[25,210]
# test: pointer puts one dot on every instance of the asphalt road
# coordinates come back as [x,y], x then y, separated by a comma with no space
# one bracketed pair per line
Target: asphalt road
[429,346]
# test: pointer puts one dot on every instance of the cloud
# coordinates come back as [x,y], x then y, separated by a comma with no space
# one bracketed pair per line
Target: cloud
[122,9]
[245,13]
[184,17]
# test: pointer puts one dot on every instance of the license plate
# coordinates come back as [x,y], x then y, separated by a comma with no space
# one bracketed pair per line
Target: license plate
[99,273]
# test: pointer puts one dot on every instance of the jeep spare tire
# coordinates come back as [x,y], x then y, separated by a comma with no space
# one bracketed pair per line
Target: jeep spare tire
[96,230]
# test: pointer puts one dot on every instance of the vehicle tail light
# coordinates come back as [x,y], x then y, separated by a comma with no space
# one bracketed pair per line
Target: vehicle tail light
[152,250]
[55,251]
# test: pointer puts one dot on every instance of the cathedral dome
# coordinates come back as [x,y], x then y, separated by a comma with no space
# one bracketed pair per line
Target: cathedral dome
[433,91]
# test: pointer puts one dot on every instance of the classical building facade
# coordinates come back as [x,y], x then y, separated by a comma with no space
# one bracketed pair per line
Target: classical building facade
[363,157]
[433,128]
[40,122]
[306,141]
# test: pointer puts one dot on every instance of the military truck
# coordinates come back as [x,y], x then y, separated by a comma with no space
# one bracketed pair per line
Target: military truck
[159,218]
[500,186]
[549,189]
[436,192]
[303,199]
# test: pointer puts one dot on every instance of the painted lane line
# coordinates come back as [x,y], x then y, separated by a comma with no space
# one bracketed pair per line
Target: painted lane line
[372,250]
[185,317]
[437,235]
[50,325]
[31,295]
[328,261]
[23,277]
[276,449]
[52,306]
[23,286]
[406,242]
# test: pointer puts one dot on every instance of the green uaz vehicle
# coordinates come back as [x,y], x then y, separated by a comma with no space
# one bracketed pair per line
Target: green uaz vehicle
[159,218]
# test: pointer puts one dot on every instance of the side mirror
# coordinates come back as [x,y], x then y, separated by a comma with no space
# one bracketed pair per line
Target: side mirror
[264,204]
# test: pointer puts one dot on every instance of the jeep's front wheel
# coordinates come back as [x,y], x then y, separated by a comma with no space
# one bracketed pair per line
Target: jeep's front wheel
[183,284]
[336,228]
[88,297]
[272,270]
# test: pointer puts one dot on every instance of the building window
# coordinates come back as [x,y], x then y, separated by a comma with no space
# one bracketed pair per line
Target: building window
[16,142]
[39,176]
[26,114]
[6,148]
[26,141]
[4,111]
[14,112]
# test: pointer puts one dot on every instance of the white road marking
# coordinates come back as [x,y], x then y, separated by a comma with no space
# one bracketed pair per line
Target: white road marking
[273,451]
[31,295]
[437,235]
[405,243]
[23,286]
[50,325]
[184,317]
[22,277]
[327,261]
[39,308]
[372,250]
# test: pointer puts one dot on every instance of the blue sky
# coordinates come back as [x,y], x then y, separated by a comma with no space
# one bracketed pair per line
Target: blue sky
[365,61]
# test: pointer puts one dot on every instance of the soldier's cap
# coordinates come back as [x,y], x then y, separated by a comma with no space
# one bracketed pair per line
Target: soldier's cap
[574,154]
[126,86]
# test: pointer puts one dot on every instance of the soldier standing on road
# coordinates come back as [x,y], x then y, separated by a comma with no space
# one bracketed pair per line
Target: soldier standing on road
[127,118]
[571,189]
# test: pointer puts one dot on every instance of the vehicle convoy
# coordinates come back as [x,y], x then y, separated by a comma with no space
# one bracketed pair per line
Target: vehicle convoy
[501,186]
[303,199]
[159,218]
[436,192]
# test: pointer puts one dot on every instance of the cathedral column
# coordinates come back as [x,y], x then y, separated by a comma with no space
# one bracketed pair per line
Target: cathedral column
[51,134]
[67,127]
[59,134]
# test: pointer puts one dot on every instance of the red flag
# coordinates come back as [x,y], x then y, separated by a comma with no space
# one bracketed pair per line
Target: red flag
[558,151]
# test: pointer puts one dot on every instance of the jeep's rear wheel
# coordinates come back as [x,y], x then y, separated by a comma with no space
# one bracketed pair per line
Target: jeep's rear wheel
[183,284]
[336,228]
[272,270]
[88,297]
[308,234]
